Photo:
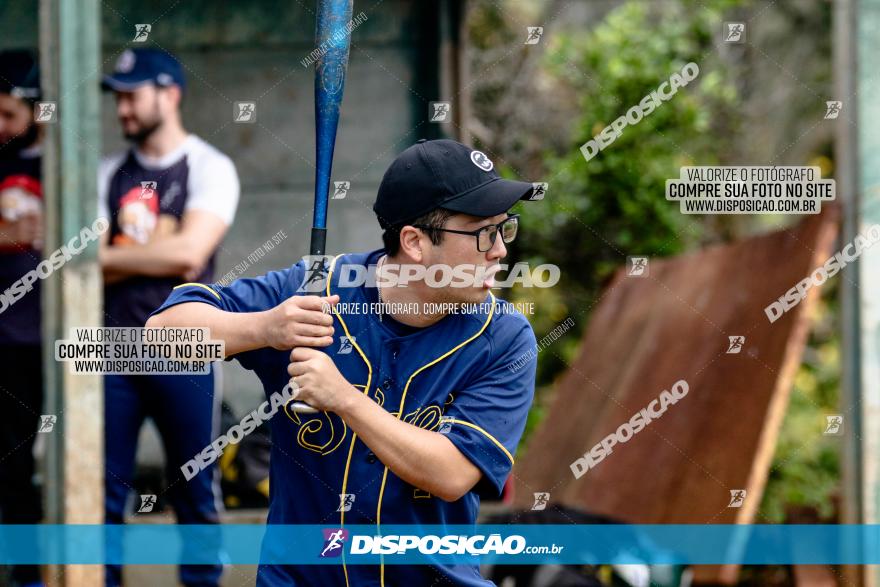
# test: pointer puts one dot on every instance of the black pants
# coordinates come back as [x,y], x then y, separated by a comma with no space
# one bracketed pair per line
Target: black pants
[21,402]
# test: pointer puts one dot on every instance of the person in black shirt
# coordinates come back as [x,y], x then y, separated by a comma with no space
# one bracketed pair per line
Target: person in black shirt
[21,222]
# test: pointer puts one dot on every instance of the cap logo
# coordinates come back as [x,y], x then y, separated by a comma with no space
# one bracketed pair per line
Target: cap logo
[480,160]
[164,79]
[126,60]
[20,92]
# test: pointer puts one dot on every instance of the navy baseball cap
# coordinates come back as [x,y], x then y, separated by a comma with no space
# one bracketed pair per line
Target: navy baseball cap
[137,67]
[20,74]
[445,174]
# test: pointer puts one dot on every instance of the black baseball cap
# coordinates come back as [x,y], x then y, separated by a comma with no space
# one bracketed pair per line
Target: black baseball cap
[445,174]
[144,65]
[20,74]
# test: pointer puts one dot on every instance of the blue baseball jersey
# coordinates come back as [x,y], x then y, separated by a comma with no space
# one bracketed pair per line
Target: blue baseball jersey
[462,377]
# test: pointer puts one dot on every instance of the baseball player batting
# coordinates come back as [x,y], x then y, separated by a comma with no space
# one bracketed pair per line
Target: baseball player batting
[420,412]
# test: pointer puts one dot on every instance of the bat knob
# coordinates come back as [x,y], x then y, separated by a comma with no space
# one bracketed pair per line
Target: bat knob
[303,408]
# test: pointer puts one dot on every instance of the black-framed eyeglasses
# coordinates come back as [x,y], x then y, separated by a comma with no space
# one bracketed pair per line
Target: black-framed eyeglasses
[486,235]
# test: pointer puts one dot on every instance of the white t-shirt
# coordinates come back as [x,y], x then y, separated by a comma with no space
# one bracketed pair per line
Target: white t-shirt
[212,182]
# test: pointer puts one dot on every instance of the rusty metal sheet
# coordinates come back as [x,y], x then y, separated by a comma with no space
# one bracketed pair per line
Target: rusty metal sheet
[649,332]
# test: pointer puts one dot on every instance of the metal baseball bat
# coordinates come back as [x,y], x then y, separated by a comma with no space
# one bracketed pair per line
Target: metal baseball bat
[332,41]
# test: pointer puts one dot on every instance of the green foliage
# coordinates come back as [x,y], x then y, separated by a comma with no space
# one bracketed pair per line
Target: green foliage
[600,211]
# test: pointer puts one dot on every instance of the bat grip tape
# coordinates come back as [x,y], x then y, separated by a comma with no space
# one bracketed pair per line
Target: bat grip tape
[319,239]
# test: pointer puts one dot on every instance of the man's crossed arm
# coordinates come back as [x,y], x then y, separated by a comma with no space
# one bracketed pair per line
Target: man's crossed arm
[184,253]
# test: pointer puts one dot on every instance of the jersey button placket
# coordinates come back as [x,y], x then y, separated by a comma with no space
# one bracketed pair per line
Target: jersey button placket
[386,387]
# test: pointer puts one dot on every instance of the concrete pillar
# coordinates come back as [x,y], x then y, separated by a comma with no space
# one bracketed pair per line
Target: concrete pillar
[71,68]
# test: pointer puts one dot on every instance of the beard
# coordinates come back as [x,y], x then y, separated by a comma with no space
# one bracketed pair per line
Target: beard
[144,132]
[147,127]
[14,146]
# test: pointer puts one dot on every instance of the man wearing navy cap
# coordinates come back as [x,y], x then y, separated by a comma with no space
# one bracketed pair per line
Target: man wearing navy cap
[419,412]
[21,229]
[170,199]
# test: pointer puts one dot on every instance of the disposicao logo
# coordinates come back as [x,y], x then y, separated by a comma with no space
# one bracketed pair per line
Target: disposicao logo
[334,538]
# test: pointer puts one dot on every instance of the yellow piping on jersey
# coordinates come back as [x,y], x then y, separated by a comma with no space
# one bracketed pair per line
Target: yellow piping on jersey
[400,411]
[486,434]
[216,295]
[366,391]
